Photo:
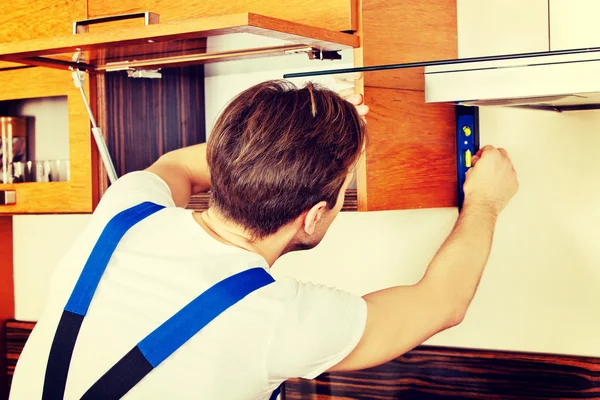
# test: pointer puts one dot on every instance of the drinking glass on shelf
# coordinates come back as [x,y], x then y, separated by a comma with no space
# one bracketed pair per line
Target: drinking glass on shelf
[42,171]
[59,171]
[51,171]
[22,172]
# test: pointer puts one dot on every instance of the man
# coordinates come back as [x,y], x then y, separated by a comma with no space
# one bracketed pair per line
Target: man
[280,159]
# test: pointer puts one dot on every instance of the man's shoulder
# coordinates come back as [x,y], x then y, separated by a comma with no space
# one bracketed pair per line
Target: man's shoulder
[132,189]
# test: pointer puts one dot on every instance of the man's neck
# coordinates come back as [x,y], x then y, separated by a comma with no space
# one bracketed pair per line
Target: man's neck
[230,233]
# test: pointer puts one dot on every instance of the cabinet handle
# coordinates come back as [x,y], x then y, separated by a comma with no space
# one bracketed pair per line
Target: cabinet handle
[7,197]
[83,25]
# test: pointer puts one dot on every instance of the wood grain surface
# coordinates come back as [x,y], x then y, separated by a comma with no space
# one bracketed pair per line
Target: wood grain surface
[410,158]
[200,202]
[412,30]
[336,15]
[146,118]
[75,196]
[435,373]
[182,30]
[430,373]
[27,19]
[7,293]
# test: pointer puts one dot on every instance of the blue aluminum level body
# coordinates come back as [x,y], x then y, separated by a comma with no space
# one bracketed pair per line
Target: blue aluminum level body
[467,143]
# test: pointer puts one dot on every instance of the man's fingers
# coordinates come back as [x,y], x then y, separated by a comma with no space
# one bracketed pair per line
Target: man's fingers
[474,160]
[363,110]
[355,99]
[347,92]
[483,150]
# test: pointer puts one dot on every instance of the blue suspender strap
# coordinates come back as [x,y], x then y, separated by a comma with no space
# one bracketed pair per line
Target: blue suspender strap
[79,302]
[177,330]
[276,393]
[158,345]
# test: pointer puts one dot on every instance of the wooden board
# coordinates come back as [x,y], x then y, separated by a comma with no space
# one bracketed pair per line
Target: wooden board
[412,30]
[429,373]
[15,335]
[181,30]
[200,202]
[7,292]
[336,15]
[27,19]
[435,373]
[53,197]
[410,160]
[146,118]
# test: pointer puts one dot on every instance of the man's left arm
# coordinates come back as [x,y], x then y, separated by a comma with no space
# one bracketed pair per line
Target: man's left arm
[185,171]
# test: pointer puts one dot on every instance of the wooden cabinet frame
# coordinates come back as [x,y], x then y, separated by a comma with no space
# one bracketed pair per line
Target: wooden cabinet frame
[77,195]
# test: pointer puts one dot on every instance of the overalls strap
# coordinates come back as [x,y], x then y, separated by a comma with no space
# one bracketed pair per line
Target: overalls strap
[160,343]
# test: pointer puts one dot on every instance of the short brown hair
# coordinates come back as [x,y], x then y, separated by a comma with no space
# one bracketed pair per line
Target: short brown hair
[276,151]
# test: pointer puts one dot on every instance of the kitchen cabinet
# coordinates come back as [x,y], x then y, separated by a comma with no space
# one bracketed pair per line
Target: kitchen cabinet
[26,19]
[173,47]
[494,27]
[18,89]
[335,15]
[574,24]
[410,159]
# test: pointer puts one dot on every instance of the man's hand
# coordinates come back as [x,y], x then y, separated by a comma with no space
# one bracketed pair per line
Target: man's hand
[356,99]
[492,181]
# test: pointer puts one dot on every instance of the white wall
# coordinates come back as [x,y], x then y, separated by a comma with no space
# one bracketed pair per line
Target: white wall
[51,126]
[39,242]
[540,291]
[504,26]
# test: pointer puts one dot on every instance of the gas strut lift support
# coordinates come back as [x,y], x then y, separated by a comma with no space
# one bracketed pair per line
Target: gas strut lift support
[78,80]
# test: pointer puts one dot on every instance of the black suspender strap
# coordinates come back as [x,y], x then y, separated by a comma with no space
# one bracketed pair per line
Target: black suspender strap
[160,343]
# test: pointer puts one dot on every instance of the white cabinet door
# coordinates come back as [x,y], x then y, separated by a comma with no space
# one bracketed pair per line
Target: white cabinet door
[574,24]
[493,27]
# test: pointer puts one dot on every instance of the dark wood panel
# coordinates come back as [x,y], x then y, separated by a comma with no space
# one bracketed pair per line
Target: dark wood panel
[407,31]
[410,158]
[145,118]
[15,336]
[7,293]
[200,202]
[431,373]
[434,373]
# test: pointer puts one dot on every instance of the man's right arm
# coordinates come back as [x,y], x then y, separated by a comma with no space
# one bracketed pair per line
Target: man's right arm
[185,171]
[400,318]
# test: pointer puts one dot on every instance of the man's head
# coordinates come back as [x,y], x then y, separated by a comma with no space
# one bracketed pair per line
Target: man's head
[278,154]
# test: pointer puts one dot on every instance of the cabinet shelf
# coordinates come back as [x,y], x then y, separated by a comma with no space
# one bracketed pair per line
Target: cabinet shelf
[150,42]
[43,198]
[79,194]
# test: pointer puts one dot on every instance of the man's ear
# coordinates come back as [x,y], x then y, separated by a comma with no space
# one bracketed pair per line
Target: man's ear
[313,216]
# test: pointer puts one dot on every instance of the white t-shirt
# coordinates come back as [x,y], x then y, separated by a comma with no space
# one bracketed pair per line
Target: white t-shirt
[284,330]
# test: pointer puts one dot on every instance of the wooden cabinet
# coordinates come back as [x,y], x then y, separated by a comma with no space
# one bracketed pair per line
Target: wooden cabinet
[574,24]
[76,195]
[164,45]
[7,294]
[26,19]
[336,15]
[410,159]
